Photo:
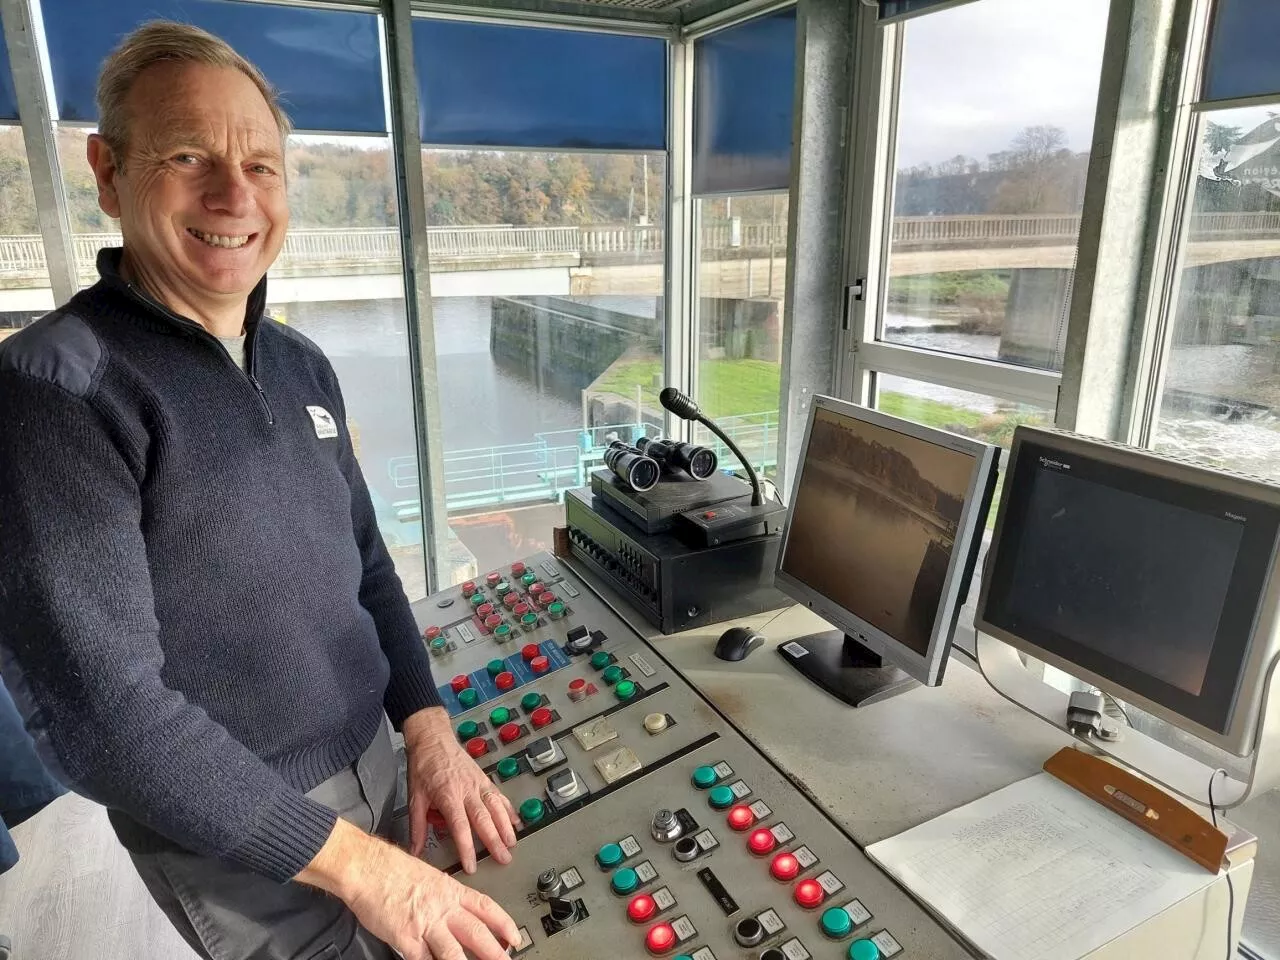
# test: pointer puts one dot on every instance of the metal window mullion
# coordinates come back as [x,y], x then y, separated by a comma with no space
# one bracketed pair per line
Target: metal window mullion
[987,377]
[680,362]
[411,201]
[21,23]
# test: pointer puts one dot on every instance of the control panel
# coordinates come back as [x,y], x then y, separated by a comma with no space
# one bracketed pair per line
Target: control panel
[648,825]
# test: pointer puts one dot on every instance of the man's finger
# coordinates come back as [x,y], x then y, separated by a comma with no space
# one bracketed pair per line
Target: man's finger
[484,827]
[471,932]
[503,816]
[418,809]
[460,829]
[442,944]
[495,918]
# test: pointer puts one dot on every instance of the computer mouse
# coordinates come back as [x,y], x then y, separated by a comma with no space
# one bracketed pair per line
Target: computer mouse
[737,643]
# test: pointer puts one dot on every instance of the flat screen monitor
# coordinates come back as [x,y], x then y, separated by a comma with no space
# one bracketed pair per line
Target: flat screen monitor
[880,541]
[1151,578]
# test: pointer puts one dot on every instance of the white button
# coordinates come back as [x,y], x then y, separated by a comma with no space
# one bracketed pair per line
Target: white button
[889,947]
[629,846]
[804,856]
[664,899]
[793,949]
[830,883]
[771,922]
[655,722]
[857,912]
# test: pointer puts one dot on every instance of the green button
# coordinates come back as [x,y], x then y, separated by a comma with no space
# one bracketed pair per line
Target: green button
[529,619]
[682,956]
[468,729]
[495,667]
[612,674]
[502,630]
[625,690]
[508,767]
[502,588]
[556,610]
[836,922]
[863,950]
[469,698]
[531,701]
[721,798]
[625,880]
[438,643]
[600,659]
[499,715]
[477,599]
[610,855]
[704,777]
[529,579]
[532,810]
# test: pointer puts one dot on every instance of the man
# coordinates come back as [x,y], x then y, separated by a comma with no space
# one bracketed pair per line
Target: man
[198,617]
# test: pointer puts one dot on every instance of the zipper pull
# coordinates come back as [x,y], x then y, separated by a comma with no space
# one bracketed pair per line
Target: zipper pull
[271,420]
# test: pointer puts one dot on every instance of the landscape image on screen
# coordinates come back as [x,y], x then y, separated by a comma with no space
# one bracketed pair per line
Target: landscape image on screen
[874,523]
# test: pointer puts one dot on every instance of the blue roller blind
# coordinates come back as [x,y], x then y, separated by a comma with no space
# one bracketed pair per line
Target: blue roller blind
[325,63]
[901,9]
[1244,50]
[743,104]
[492,85]
[8,102]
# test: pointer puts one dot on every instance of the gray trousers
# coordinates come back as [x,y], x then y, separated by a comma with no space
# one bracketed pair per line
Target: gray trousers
[227,912]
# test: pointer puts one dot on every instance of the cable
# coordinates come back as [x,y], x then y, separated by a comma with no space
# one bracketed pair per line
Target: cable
[1231,889]
[1119,706]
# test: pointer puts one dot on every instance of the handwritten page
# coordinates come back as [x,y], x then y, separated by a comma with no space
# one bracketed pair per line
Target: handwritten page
[1037,871]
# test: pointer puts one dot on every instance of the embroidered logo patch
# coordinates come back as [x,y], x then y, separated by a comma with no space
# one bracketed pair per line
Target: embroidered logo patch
[326,428]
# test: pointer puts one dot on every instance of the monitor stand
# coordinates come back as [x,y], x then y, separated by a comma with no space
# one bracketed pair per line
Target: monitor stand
[845,668]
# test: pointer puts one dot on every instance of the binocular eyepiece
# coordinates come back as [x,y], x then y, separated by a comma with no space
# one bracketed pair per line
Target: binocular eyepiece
[698,462]
[637,471]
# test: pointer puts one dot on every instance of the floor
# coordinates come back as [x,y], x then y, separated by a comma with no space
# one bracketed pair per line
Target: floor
[74,895]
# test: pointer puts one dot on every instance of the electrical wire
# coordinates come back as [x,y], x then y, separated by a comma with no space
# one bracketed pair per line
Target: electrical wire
[1231,890]
[1119,706]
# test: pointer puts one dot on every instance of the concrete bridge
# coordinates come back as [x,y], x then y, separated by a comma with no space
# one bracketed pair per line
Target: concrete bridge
[742,260]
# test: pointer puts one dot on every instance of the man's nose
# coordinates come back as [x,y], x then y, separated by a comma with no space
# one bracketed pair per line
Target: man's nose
[228,191]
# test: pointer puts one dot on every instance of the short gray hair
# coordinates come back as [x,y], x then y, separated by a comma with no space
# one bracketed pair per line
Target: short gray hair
[162,41]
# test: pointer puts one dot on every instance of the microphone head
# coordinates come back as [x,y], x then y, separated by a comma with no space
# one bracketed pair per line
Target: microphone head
[679,404]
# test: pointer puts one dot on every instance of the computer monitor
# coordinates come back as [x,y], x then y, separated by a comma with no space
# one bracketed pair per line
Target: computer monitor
[880,541]
[1151,578]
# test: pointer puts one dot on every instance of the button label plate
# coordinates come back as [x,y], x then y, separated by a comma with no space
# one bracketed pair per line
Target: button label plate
[740,789]
[645,872]
[771,922]
[793,949]
[889,947]
[805,857]
[571,879]
[706,841]
[761,810]
[664,899]
[684,928]
[830,883]
[723,770]
[630,847]
[857,912]
[782,833]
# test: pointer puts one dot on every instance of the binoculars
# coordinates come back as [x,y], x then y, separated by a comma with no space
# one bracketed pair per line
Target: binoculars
[641,467]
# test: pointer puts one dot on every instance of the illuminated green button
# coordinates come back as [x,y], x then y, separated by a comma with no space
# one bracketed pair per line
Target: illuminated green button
[495,667]
[502,630]
[610,855]
[529,619]
[529,579]
[531,701]
[704,777]
[836,922]
[532,810]
[438,643]
[600,660]
[469,698]
[556,610]
[468,729]
[502,588]
[612,674]
[499,715]
[477,599]
[863,950]
[508,767]
[721,798]
[624,881]
[625,690]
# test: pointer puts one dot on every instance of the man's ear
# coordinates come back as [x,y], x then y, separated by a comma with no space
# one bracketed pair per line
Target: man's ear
[102,160]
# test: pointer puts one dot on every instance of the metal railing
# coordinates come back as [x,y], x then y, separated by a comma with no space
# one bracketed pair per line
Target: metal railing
[23,256]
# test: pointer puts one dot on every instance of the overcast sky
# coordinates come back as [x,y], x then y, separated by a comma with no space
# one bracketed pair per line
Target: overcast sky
[973,76]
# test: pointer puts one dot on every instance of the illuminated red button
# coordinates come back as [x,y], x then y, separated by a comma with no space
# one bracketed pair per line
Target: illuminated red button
[539,664]
[468,589]
[540,717]
[709,515]
[809,894]
[459,683]
[545,600]
[530,651]
[431,632]
[505,680]
[477,747]
[741,818]
[761,842]
[641,908]
[577,689]
[492,622]
[660,939]
[785,867]
[508,732]
[484,610]
[518,569]
[511,599]
[520,609]
[493,579]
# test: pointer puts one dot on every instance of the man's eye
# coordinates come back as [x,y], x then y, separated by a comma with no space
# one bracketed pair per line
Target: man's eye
[261,168]
[187,159]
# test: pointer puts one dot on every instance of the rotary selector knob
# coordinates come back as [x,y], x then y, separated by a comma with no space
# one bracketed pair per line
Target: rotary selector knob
[666,827]
[549,884]
[564,913]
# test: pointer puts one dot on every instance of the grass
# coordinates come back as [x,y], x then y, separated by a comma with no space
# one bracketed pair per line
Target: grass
[728,387]
[949,288]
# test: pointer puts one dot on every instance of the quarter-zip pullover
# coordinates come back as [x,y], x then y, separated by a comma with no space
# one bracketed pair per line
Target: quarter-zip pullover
[199,619]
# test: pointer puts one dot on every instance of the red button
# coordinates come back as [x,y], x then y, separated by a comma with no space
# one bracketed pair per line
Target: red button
[469,589]
[540,717]
[431,632]
[709,515]
[530,650]
[505,680]
[641,908]
[660,939]
[477,747]
[539,664]
[761,842]
[493,579]
[492,621]
[577,689]
[784,867]
[741,818]
[520,609]
[809,894]
[546,600]
[511,599]
[518,569]
[509,732]
[535,589]
[459,683]
[484,610]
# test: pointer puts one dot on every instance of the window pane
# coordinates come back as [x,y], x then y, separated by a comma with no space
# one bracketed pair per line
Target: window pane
[24,277]
[741,283]
[1242,61]
[546,282]
[1222,379]
[8,100]
[976,415]
[995,120]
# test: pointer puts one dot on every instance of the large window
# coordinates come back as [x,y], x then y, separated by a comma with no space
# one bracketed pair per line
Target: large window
[996,106]
[24,275]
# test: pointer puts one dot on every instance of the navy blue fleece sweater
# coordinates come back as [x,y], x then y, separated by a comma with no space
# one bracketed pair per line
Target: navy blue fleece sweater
[198,617]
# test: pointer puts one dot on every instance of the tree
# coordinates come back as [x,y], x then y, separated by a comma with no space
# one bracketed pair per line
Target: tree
[1219,138]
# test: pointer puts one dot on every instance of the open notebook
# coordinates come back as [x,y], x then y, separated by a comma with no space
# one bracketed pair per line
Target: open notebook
[1038,871]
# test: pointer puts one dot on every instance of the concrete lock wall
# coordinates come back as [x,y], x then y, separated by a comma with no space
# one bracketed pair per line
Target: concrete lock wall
[1035,324]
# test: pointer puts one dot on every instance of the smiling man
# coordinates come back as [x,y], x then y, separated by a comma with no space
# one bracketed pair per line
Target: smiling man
[198,617]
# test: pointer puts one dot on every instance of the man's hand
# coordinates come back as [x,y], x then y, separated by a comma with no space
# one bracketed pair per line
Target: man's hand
[442,776]
[405,902]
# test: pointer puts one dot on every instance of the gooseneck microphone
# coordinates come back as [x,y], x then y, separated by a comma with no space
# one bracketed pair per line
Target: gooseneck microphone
[684,408]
